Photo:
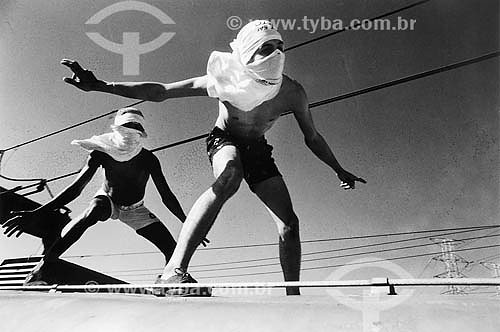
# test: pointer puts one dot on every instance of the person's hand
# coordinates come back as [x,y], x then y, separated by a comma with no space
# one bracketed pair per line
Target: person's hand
[348,180]
[204,242]
[17,221]
[83,79]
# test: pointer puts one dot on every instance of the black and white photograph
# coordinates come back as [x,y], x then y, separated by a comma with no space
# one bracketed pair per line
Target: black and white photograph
[174,165]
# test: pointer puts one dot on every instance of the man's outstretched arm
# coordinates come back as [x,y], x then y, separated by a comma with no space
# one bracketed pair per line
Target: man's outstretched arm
[76,187]
[20,218]
[150,91]
[167,196]
[316,143]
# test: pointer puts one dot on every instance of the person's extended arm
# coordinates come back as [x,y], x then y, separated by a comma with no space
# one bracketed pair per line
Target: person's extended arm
[150,91]
[75,188]
[316,143]
[20,218]
[167,196]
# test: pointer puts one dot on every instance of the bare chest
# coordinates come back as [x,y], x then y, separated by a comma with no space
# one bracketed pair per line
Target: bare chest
[252,123]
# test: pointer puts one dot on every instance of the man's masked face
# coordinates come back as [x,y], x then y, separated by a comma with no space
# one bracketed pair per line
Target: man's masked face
[267,64]
[253,72]
[266,49]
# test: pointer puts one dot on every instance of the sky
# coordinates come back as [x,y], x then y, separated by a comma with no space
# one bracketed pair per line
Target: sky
[428,148]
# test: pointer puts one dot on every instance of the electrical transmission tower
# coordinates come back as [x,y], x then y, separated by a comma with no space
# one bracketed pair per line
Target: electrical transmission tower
[453,263]
[496,271]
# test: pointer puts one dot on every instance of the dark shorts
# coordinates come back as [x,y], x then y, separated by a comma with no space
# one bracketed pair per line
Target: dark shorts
[256,155]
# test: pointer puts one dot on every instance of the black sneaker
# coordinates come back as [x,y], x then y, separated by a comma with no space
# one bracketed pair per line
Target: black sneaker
[180,277]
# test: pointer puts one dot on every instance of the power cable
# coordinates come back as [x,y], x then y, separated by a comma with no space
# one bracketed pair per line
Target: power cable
[303,242]
[343,96]
[288,49]
[69,127]
[331,257]
[348,264]
[304,254]
[351,27]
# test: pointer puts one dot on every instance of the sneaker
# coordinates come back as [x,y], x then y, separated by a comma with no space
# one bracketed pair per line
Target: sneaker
[180,277]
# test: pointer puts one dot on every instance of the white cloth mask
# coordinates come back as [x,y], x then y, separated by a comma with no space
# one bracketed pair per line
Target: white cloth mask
[122,143]
[246,85]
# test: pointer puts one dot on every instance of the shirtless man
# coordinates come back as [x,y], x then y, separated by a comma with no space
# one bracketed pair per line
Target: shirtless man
[127,168]
[252,93]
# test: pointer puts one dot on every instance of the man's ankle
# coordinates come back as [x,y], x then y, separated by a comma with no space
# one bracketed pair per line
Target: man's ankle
[168,271]
[172,271]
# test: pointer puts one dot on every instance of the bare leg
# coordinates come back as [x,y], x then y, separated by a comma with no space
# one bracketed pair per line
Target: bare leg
[99,209]
[274,194]
[228,173]
[159,235]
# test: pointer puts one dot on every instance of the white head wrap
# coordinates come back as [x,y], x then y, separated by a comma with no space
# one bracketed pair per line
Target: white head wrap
[123,143]
[246,85]
[130,114]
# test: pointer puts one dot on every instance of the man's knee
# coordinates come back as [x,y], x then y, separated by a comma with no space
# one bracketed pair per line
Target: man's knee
[99,210]
[289,229]
[229,180]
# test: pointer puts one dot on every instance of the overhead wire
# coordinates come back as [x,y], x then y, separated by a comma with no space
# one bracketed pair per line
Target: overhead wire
[488,258]
[312,105]
[9,178]
[199,136]
[470,228]
[348,264]
[304,254]
[329,258]
[354,26]
[337,256]
[338,98]
[472,242]
[287,49]
[68,127]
